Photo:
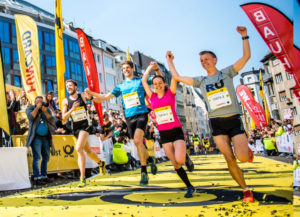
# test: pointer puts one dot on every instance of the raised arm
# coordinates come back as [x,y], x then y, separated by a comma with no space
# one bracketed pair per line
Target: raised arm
[174,73]
[246,49]
[145,80]
[99,96]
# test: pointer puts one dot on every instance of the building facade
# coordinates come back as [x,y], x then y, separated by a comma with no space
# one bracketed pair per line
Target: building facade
[280,86]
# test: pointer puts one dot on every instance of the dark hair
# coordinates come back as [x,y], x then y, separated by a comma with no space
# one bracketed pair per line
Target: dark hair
[130,63]
[38,97]
[158,76]
[57,111]
[208,52]
[72,81]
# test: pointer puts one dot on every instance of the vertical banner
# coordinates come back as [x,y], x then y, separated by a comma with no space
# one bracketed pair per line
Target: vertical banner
[90,68]
[277,31]
[3,109]
[59,50]
[29,56]
[263,96]
[255,110]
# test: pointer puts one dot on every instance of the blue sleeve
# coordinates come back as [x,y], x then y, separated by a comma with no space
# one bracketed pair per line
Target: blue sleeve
[116,91]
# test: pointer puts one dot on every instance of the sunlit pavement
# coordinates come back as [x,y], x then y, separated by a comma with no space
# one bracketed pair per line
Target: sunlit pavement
[120,195]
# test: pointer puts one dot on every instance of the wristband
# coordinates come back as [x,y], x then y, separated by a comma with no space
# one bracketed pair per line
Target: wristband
[92,97]
[156,69]
[246,37]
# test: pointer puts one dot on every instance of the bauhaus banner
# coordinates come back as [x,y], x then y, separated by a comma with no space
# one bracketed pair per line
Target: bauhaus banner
[255,110]
[276,29]
[90,68]
[29,56]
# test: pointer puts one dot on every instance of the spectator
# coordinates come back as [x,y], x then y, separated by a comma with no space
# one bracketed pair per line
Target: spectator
[13,106]
[24,102]
[39,138]
[49,99]
[60,127]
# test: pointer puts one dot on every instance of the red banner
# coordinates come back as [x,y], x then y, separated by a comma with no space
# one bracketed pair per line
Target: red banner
[277,31]
[255,110]
[90,69]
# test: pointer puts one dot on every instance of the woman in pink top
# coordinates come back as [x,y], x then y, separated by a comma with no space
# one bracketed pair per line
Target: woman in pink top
[171,134]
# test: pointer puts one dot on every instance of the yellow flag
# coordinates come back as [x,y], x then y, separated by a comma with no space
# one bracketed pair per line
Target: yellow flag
[60,59]
[3,109]
[127,55]
[263,96]
[29,56]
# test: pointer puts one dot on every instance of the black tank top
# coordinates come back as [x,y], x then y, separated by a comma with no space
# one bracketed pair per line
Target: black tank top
[70,105]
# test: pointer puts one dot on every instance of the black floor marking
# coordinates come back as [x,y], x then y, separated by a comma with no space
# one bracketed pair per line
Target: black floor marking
[118,196]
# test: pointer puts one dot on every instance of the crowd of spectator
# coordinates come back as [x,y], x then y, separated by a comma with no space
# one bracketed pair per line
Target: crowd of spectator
[267,135]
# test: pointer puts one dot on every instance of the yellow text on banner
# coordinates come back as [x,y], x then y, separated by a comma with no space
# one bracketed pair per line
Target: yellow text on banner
[29,56]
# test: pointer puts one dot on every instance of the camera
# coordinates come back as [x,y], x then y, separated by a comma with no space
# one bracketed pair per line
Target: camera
[45,104]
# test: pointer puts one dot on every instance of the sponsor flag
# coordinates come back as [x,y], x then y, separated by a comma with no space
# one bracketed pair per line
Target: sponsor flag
[90,69]
[127,55]
[29,56]
[276,29]
[263,96]
[59,49]
[255,110]
[3,109]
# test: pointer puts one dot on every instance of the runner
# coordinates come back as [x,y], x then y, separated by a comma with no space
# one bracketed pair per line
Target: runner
[74,111]
[224,110]
[136,113]
[168,124]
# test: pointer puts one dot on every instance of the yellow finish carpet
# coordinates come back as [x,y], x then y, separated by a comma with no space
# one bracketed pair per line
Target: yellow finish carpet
[120,195]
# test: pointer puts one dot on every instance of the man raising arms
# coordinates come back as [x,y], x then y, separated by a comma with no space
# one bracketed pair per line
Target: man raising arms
[223,108]
[136,113]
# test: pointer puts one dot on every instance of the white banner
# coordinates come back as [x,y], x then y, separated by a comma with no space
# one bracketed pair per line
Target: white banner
[14,169]
[285,143]
[258,147]
[297,177]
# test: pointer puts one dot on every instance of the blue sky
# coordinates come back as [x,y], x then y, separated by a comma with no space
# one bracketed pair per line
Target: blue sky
[184,27]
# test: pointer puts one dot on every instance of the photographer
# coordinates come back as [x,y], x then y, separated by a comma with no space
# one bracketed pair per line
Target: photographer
[39,138]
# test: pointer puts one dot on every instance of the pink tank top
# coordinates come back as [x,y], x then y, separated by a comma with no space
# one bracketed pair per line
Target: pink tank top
[164,109]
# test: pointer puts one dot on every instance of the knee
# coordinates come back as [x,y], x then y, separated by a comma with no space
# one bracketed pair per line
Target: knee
[180,161]
[230,160]
[243,159]
[79,150]
[137,142]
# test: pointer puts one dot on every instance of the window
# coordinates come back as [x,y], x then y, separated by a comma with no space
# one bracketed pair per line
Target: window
[275,62]
[74,50]
[67,70]
[288,75]
[292,93]
[248,79]
[278,78]
[108,62]
[98,58]
[66,50]
[14,34]
[110,80]
[49,41]
[282,96]
[17,81]
[16,64]
[76,72]
[40,39]
[49,85]
[4,32]
[50,65]
[100,77]
[6,59]
[295,113]
[42,60]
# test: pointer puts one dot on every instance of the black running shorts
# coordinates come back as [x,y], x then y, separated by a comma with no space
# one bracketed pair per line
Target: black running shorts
[230,126]
[171,135]
[136,121]
[84,126]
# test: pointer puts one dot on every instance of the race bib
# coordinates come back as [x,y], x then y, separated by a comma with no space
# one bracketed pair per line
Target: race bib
[131,100]
[164,115]
[79,114]
[218,98]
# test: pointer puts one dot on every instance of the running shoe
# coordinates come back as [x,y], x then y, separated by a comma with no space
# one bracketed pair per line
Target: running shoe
[82,183]
[189,163]
[248,196]
[144,179]
[102,168]
[190,191]
[251,157]
[153,166]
